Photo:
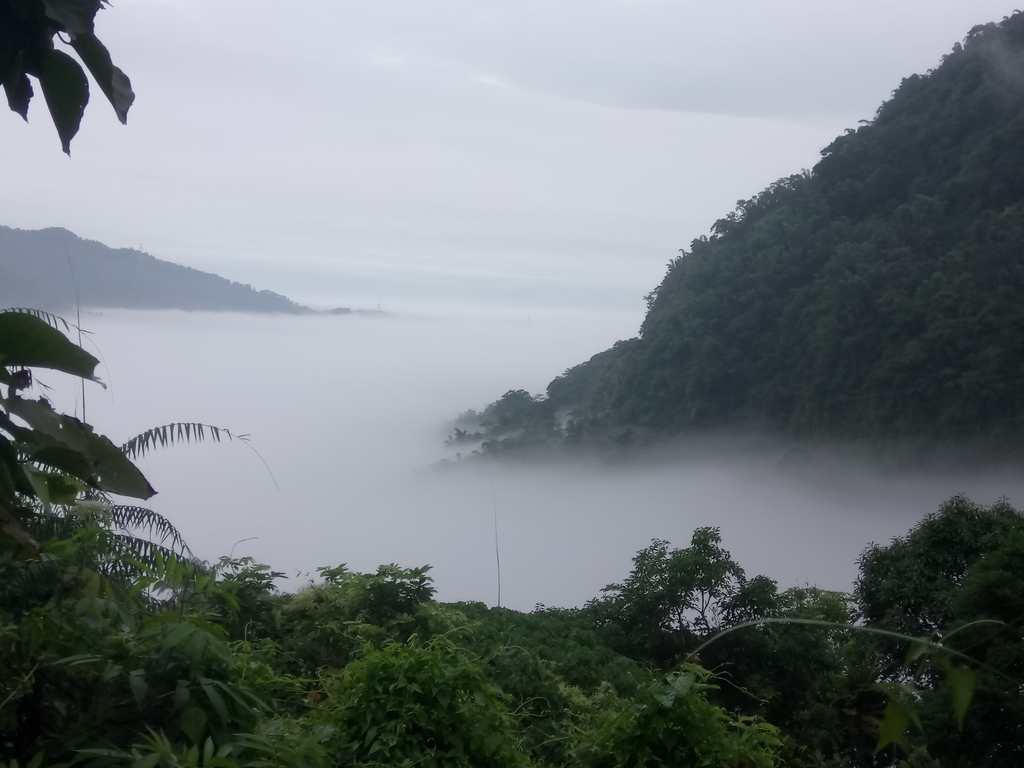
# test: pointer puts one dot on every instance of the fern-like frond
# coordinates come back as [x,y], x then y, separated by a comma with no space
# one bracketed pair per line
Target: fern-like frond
[32,584]
[179,432]
[155,525]
[126,548]
[51,527]
[185,432]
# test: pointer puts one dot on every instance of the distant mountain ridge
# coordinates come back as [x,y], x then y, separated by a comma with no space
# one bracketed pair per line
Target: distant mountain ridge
[35,272]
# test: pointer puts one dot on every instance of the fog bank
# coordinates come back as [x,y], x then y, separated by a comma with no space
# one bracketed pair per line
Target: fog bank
[348,412]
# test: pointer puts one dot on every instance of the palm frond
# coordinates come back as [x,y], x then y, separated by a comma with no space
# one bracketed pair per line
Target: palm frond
[127,550]
[186,432]
[35,581]
[171,434]
[155,525]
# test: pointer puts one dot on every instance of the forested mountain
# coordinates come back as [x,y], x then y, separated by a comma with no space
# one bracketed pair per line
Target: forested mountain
[37,271]
[877,296]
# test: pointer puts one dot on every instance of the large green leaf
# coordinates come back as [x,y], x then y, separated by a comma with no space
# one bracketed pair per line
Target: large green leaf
[961,683]
[76,16]
[112,81]
[57,434]
[19,92]
[66,91]
[26,340]
[54,488]
[894,724]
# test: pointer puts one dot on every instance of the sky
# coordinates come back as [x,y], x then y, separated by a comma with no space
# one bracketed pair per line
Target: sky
[553,153]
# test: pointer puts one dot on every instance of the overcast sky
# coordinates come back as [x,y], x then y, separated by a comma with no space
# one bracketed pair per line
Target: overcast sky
[417,150]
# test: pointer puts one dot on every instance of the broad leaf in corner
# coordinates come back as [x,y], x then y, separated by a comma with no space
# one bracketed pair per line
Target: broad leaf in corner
[29,342]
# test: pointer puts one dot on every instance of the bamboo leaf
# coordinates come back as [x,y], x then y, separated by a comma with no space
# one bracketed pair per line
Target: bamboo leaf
[215,699]
[961,683]
[178,634]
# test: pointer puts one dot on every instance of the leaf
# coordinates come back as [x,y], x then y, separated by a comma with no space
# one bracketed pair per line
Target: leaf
[108,468]
[181,694]
[171,434]
[176,635]
[920,647]
[193,724]
[961,683]
[19,93]
[81,658]
[27,340]
[666,697]
[215,699]
[681,684]
[111,672]
[53,488]
[137,681]
[38,480]
[894,724]
[66,91]
[76,16]
[112,81]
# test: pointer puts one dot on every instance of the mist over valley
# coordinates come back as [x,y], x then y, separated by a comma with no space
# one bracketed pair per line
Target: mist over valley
[350,415]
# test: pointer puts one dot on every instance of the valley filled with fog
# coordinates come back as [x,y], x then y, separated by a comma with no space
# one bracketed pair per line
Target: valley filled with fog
[348,412]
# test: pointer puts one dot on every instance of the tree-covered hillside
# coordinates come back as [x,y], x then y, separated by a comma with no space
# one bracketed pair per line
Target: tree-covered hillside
[40,268]
[876,296]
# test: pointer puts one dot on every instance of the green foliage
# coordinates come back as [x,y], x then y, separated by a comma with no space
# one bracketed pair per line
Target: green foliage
[55,457]
[673,724]
[953,580]
[94,661]
[419,704]
[327,625]
[909,586]
[671,598]
[27,32]
[555,668]
[165,661]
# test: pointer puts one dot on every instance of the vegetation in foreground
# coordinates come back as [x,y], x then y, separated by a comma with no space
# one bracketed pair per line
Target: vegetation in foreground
[114,652]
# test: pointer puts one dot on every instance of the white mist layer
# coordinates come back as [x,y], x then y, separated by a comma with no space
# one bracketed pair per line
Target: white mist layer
[347,411]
